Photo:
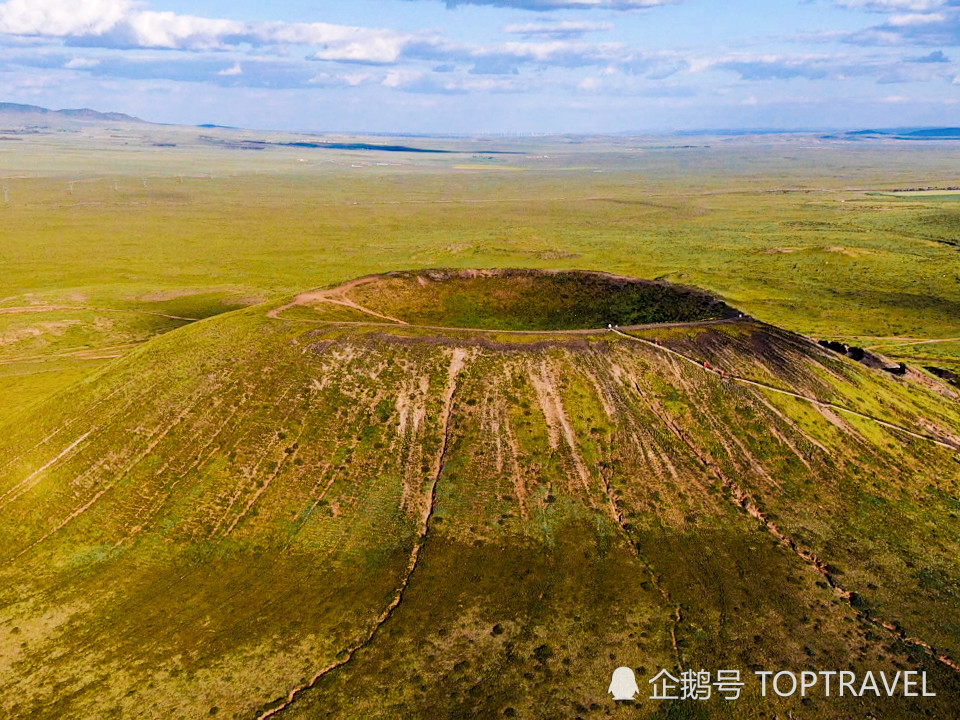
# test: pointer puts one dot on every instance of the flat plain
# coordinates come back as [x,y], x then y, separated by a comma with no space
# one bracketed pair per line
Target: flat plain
[233,484]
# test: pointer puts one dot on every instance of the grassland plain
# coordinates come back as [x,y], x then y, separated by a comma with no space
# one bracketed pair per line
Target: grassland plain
[406,521]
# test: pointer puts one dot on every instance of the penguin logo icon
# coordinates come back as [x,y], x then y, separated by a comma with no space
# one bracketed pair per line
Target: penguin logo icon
[623,685]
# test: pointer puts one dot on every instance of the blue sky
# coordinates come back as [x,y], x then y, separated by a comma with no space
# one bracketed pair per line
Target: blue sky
[492,66]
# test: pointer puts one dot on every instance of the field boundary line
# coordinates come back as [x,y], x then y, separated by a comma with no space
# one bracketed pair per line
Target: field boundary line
[29,309]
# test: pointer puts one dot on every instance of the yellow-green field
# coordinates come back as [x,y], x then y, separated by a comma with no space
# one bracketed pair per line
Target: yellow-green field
[103,221]
[231,485]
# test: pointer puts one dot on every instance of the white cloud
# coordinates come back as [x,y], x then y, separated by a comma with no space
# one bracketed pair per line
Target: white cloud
[79,63]
[529,56]
[356,79]
[560,29]
[168,30]
[124,24]
[923,23]
[61,19]
[400,78]
[893,5]
[915,29]
[590,84]
[370,46]
[488,84]
[337,42]
[327,79]
[507,57]
[884,68]
[546,5]
[905,21]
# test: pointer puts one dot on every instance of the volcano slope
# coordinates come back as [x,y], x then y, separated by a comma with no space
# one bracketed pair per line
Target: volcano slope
[447,494]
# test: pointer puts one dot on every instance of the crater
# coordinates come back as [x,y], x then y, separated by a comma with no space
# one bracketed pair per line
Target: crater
[532,300]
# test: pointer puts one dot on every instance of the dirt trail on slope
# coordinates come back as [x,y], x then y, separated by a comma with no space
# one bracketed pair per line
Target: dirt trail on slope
[82,509]
[393,322]
[336,296]
[904,342]
[25,484]
[249,477]
[457,363]
[154,503]
[746,502]
[281,465]
[496,422]
[412,408]
[792,424]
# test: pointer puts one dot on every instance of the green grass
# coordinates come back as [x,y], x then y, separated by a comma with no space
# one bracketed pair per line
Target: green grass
[526,300]
[258,480]
[229,505]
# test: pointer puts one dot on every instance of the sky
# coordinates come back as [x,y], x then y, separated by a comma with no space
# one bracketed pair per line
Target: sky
[491,66]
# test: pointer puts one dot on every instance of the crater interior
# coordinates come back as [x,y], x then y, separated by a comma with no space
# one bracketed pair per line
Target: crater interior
[535,300]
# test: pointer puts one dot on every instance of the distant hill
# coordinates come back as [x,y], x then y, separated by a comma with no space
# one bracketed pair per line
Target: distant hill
[947,132]
[77,114]
[929,133]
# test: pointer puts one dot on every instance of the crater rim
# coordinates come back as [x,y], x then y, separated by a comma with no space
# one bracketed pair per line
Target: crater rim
[513,300]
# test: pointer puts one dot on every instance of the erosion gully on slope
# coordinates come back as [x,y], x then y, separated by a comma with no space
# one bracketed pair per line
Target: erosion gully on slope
[772,388]
[160,435]
[745,502]
[457,363]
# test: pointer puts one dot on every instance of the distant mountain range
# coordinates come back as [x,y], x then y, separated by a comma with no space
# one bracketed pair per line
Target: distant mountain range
[76,114]
[11,110]
[934,133]
[901,133]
